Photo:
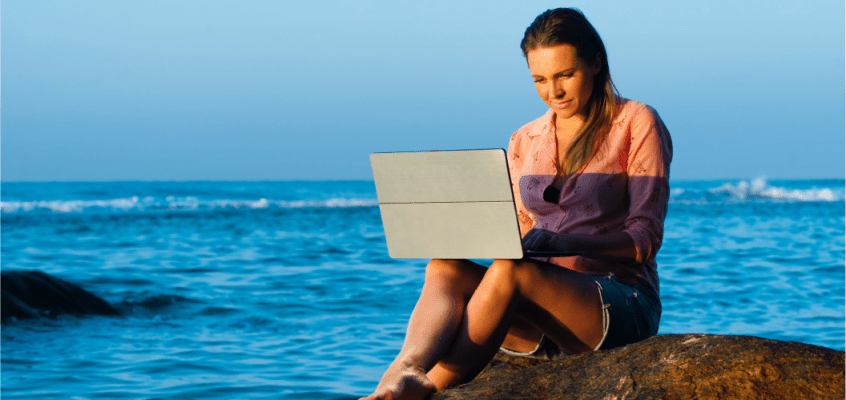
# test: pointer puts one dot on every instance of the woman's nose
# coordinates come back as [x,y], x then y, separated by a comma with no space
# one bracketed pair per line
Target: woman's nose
[556,90]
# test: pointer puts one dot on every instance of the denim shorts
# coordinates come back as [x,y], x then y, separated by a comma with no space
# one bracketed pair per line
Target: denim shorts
[629,315]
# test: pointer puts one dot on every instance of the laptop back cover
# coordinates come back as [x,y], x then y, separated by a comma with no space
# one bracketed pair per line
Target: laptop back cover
[447,204]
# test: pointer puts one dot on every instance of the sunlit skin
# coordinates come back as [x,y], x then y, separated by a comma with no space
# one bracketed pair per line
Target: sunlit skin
[467,311]
[565,83]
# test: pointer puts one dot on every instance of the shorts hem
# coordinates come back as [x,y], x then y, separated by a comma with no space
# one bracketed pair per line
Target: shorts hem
[542,350]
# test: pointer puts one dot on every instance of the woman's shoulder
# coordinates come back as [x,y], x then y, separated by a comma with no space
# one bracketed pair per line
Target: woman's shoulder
[635,120]
[638,123]
[629,111]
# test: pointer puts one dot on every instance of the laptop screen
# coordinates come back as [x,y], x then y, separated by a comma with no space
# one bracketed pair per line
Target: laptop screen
[447,204]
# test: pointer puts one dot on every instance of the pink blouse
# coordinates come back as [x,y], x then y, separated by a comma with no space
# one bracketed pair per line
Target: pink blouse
[623,188]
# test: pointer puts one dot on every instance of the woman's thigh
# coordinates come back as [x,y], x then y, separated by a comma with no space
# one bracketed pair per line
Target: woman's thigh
[554,301]
[562,304]
[631,313]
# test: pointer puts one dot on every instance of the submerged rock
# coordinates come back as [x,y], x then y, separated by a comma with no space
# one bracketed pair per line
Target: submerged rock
[689,366]
[32,294]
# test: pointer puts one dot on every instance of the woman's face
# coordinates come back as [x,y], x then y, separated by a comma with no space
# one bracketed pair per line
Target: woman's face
[563,80]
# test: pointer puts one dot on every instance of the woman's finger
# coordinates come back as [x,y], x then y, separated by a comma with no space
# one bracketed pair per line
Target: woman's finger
[536,239]
[529,239]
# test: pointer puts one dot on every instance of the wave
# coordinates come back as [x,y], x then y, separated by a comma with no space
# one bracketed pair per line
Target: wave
[756,190]
[692,192]
[172,203]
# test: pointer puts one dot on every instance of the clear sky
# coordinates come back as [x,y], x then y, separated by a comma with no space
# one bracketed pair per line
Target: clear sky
[280,90]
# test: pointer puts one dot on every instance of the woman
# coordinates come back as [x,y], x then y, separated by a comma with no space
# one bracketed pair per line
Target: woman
[590,175]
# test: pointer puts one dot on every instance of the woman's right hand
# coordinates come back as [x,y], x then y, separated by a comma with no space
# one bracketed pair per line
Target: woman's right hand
[618,247]
[544,240]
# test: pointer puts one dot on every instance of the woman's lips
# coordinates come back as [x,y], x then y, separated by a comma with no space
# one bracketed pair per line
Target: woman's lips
[560,104]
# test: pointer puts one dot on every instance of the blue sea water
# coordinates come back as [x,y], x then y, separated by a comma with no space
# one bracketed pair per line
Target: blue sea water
[286,289]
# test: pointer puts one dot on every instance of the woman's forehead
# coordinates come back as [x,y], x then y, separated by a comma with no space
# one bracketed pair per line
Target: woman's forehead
[553,58]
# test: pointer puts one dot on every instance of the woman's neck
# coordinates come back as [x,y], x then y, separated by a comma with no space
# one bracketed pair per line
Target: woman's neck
[569,127]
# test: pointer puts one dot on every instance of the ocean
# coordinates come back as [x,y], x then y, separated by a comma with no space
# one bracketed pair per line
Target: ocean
[286,290]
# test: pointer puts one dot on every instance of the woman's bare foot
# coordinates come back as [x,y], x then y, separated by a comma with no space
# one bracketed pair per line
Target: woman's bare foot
[403,382]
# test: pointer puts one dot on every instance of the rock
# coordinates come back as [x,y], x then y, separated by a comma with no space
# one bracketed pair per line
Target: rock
[33,294]
[690,366]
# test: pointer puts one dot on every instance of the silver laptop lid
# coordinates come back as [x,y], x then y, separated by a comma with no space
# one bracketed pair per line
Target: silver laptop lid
[447,204]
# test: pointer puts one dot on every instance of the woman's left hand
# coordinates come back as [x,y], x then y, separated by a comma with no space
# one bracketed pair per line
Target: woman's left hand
[544,240]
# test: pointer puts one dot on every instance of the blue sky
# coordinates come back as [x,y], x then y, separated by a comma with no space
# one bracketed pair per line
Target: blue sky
[274,90]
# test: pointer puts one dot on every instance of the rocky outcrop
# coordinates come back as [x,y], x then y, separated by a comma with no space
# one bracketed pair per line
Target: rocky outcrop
[32,294]
[687,366]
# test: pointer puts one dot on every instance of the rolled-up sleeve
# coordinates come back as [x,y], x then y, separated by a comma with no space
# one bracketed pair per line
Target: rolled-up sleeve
[648,169]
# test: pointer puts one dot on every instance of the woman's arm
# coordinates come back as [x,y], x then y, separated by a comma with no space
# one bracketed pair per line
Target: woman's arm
[617,247]
[649,156]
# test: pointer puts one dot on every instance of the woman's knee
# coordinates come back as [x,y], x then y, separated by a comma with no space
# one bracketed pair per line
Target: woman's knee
[454,272]
[517,271]
[444,269]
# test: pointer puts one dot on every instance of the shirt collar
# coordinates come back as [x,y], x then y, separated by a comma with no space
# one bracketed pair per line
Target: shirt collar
[544,124]
[548,119]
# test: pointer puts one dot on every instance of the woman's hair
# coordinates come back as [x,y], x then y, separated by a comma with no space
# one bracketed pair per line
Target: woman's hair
[569,26]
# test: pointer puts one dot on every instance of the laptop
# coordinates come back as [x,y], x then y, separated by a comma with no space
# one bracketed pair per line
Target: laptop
[449,204]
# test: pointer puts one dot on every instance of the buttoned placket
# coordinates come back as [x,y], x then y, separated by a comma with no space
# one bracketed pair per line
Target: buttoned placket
[548,135]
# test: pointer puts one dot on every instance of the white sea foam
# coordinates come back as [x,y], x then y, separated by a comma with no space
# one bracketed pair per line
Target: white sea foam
[760,189]
[172,203]
[683,193]
[66,206]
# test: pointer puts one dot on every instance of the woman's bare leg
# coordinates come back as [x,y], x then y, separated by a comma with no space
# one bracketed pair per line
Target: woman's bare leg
[522,336]
[466,310]
[561,303]
[434,323]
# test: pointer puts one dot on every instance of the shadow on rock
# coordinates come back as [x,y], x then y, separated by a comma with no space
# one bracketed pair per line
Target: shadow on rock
[34,294]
